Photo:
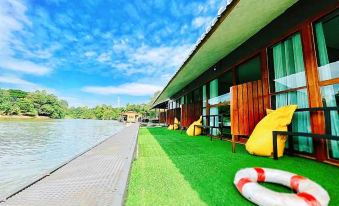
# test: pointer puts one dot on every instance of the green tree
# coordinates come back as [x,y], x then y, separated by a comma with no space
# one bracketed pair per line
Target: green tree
[27,108]
[17,94]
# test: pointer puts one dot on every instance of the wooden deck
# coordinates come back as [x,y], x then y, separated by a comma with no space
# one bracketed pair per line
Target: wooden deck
[98,177]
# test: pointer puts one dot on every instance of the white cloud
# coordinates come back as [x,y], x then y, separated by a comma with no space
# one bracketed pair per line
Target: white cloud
[13,19]
[200,21]
[120,46]
[23,66]
[133,89]
[90,53]
[19,83]
[104,57]
[14,80]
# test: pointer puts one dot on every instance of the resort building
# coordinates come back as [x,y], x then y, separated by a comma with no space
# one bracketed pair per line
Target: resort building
[259,55]
[130,117]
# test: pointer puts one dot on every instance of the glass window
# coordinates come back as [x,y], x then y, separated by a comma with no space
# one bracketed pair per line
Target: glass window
[300,121]
[204,101]
[197,95]
[286,59]
[204,96]
[182,100]
[330,96]
[327,41]
[249,71]
[220,89]
[213,110]
[288,72]
[189,98]
[225,82]
[213,92]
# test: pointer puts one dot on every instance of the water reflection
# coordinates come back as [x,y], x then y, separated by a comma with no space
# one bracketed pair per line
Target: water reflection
[30,148]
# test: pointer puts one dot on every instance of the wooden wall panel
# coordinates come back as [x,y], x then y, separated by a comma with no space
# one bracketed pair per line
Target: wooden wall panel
[255,101]
[190,113]
[171,114]
[250,106]
[240,109]
[247,107]
[234,111]
[162,117]
[265,79]
[260,100]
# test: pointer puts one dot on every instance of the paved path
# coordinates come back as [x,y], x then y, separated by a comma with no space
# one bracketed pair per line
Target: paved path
[98,177]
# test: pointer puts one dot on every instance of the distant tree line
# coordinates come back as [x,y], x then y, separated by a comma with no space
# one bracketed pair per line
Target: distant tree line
[107,112]
[42,103]
[38,103]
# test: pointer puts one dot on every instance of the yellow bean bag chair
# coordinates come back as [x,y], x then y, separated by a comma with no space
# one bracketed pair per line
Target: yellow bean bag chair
[197,130]
[174,126]
[261,139]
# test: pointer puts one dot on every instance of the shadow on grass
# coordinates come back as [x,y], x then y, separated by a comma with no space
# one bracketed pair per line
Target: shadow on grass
[210,166]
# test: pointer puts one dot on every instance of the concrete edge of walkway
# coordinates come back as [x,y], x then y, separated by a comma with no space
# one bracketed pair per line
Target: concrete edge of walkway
[125,181]
[14,192]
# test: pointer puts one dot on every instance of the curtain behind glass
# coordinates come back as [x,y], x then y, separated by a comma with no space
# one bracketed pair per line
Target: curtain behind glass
[204,99]
[214,110]
[289,73]
[301,120]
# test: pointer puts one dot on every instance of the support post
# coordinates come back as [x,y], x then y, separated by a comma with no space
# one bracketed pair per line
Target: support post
[233,143]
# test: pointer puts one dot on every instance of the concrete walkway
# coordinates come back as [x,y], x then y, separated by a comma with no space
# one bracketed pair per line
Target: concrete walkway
[98,177]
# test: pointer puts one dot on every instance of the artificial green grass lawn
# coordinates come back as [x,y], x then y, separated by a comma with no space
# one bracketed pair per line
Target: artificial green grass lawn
[175,169]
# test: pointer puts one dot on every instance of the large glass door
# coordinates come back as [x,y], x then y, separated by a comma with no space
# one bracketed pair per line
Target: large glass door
[288,86]
[326,32]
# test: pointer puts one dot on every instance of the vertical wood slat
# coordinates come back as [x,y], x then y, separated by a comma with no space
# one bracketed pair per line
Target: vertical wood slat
[265,79]
[245,110]
[260,100]
[241,109]
[266,99]
[190,113]
[162,118]
[247,107]
[234,111]
[251,122]
[171,114]
[255,102]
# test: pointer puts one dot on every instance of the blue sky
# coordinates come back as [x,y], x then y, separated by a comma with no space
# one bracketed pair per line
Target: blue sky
[93,52]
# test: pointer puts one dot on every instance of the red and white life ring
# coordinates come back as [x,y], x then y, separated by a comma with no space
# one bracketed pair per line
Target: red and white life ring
[308,193]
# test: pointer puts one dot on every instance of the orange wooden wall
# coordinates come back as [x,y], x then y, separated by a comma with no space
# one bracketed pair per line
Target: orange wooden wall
[248,106]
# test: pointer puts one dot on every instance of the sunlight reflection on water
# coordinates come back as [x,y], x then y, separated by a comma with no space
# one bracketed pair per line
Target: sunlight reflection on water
[30,148]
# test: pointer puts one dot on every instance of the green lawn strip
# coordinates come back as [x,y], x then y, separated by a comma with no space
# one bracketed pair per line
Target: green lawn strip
[209,167]
[155,180]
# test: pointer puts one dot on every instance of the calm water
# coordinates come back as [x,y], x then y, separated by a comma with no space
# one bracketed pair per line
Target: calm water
[30,148]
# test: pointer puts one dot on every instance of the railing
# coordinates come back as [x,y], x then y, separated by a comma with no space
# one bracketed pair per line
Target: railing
[328,130]
[217,123]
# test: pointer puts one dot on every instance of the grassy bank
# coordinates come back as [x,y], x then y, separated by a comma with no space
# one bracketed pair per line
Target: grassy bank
[174,169]
[14,117]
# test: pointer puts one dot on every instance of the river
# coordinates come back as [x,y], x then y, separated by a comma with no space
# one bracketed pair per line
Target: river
[30,148]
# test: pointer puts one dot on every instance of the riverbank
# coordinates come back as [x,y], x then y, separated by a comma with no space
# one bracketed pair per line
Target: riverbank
[18,117]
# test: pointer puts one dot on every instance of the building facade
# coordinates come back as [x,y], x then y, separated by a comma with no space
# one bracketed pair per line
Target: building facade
[263,55]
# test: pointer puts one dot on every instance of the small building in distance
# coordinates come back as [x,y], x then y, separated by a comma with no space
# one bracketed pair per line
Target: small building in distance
[130,117]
